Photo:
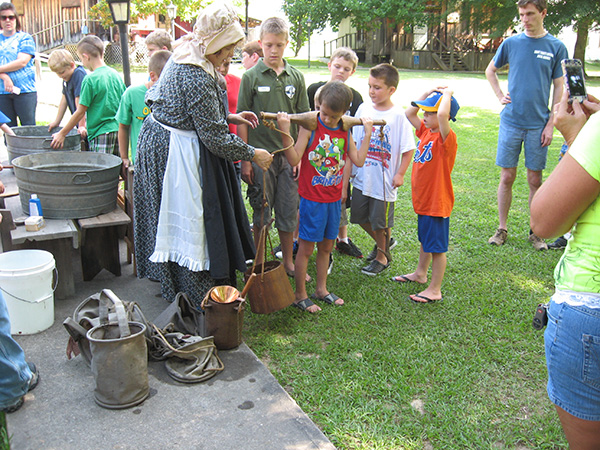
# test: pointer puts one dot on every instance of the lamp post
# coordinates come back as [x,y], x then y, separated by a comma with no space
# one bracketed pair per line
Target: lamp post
[309,23]
[172,13]
[120,12]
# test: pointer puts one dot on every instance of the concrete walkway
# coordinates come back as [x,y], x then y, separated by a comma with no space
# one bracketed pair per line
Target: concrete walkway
[243,407]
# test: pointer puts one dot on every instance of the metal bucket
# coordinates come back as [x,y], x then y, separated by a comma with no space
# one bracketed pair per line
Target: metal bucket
[37,139]
[224,310]
[70,185]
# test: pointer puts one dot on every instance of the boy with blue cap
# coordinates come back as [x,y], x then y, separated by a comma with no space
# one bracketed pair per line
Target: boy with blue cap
[432,192]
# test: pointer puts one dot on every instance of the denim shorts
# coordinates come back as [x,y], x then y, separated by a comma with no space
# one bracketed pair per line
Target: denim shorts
[572,341]
[510,142]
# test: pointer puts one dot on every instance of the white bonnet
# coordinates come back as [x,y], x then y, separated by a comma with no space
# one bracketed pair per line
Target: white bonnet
[217,26]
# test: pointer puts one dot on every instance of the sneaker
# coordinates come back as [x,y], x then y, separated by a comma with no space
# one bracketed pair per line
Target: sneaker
[348,248]
[33,382]
[279,254]
[330,264]
[558,244]
[373,253]
[537,242]
[499,238]
[393,243]
[374,268]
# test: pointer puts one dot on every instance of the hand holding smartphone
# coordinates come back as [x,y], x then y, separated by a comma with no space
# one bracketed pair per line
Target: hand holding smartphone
[574,79]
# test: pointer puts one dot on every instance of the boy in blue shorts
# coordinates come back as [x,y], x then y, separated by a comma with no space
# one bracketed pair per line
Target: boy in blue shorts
[322,154]
[432,192]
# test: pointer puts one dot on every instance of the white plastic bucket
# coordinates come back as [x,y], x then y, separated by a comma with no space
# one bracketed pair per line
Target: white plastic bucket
[26,284]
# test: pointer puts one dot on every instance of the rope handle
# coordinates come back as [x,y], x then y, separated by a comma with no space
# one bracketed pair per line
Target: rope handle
[270,124]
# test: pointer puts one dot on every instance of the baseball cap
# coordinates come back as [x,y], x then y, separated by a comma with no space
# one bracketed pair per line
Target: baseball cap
[432,103]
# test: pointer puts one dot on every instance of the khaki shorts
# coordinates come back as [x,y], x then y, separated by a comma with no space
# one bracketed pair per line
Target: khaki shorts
[281,195]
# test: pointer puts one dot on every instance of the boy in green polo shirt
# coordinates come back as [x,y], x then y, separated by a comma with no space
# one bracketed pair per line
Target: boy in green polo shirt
[99,99]
[133,110]
[273,85]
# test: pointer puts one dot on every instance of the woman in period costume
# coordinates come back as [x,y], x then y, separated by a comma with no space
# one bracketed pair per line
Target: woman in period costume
[191,227]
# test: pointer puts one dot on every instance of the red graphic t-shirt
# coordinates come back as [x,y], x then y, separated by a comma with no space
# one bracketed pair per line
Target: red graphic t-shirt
[322,164]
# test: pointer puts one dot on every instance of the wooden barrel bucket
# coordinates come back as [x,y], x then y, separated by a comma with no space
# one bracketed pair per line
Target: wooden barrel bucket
[271,290]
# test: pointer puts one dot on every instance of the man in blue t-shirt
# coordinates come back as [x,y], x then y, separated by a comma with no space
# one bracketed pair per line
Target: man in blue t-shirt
[534,57]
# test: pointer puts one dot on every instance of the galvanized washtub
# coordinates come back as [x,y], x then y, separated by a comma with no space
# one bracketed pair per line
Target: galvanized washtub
[36,139]
[70,185]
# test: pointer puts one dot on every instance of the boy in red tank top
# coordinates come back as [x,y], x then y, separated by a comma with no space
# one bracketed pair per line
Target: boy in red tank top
[323,154]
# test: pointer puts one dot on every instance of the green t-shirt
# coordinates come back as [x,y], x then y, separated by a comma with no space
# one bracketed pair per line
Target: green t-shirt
[132,111]
[262,90]
[101,93]
[579,268]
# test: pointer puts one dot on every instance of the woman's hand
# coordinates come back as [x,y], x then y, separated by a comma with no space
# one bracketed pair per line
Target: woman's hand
[569,118]
[263,158]
[243,118]
[8,84]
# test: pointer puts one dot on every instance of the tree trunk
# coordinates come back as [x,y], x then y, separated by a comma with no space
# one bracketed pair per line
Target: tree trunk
[583,27]
[369,47]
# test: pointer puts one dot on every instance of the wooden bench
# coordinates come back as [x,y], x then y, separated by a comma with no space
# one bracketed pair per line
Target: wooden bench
[58,237]
[100,242]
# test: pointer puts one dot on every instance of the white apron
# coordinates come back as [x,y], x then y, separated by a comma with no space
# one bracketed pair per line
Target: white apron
[180,235]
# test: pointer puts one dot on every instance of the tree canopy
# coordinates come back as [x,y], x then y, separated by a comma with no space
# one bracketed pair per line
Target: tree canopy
[481,16]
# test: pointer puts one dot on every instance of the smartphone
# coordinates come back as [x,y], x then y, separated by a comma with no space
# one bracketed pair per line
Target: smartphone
[574,79]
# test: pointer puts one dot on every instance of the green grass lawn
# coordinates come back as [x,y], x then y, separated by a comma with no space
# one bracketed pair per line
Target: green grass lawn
[466,373]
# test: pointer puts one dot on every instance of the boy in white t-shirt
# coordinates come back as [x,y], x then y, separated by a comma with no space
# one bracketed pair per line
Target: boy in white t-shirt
[390,154]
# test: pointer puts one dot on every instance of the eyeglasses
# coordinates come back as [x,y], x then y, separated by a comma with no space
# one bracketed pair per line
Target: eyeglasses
[8,17]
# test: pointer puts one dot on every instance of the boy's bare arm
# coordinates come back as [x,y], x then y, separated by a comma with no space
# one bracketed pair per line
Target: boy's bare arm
[82,123]
[358,156]
[444,113]
[4,127]
[58,139]
[62,108]
[123,138]
[293,154]
[405,161]
[412,114]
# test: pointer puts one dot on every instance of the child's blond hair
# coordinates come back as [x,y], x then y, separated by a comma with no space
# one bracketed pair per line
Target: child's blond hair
[60,60]
[160,38]
[157,61]
[91,45]
[276,26]
[345,53]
